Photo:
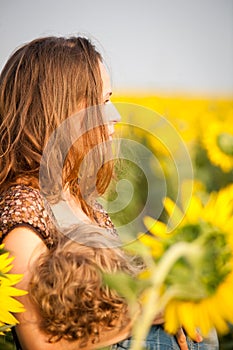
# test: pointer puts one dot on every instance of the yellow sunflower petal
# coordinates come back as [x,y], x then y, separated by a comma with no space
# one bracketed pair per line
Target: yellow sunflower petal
[175,214]
[214,209]
[10,304]
[218,321]
[172,322]
[203,318]
[185,312]
[145,275]
[11,279]
[7,318]
[155,246]
[157,228]
[11,291]
[194,210]
[226,306]
[5,261]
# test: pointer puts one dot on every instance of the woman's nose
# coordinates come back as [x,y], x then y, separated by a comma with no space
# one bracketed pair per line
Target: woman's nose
[111,114]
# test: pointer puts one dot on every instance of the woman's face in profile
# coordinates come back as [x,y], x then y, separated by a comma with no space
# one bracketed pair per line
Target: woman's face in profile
[113,118]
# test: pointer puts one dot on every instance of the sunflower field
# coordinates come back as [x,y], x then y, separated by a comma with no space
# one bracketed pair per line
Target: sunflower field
[188,245]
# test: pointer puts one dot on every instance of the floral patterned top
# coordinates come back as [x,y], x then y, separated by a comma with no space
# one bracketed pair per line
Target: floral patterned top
[22,205]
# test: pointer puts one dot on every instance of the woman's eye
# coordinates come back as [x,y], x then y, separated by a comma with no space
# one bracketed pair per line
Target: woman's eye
[106,101]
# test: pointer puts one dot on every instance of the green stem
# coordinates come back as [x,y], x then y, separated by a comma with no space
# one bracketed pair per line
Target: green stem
[180,249]
[142,326]
[154,302]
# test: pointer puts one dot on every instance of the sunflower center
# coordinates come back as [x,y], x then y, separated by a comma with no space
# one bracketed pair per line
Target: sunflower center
[225,143]
[216,259]
[203,272]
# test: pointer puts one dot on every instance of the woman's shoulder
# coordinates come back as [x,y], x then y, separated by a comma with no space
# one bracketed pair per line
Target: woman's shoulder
[22,205]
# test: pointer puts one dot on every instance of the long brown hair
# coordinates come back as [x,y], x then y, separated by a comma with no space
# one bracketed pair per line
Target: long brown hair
[44,83]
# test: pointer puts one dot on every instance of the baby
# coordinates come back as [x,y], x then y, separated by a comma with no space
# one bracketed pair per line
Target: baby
[68,291]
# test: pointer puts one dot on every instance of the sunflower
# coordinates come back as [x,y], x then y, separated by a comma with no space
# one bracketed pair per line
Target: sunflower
[218,142]
[9,305]
[198,260]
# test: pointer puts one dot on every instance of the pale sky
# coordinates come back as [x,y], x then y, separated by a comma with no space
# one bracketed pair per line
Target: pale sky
[158,45]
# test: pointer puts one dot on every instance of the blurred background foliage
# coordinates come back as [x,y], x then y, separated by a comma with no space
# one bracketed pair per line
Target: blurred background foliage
[206,128]
[6,342]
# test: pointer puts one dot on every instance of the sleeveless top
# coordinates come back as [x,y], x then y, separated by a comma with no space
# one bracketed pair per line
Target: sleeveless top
[22,205]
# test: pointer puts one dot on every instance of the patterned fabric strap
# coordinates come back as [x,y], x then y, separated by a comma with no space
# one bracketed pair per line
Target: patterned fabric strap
[24,206]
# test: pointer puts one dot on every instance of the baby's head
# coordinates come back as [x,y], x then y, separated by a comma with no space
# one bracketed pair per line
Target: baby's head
[68,291]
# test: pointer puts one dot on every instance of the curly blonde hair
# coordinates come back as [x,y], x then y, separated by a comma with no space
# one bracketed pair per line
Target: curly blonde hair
[69,293]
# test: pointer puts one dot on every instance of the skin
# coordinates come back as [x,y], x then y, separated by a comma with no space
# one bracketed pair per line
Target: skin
[25,245]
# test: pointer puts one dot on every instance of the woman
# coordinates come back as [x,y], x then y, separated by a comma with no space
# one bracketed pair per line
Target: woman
[42,85]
